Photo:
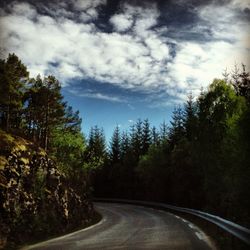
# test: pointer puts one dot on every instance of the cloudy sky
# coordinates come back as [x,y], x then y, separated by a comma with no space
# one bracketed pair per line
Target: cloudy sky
[121,60]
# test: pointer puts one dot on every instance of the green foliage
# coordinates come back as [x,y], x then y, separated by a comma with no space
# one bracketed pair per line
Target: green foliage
[38,194]
[95,154]
[200,161]
[68,149]
[115,146]
[147,167]
[13,75]
[177,129]
[45,108]
[146,136]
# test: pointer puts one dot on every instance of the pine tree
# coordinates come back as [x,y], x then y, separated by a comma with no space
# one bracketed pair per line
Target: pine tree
[146,136]
[190,118]
[95,153]
[96,144]
[155,136]
[136,139]
[163,132]
[124,144]
[115,146]
[45,108]
[244,83]
[13,75]
[72,121]
[177,130]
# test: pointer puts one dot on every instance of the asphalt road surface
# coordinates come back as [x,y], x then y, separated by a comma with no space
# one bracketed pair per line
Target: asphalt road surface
[133,227]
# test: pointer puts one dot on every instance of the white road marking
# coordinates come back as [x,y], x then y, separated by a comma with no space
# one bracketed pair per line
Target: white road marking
[191,225]
[184,220]
[199,235]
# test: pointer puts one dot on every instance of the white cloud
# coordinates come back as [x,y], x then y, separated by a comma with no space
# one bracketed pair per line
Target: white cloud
[197,64]
[139,59]
[241,4]
[23,9]
[97,95]
[87,4]
[81,50]
[159,51]
[88,8]
[121,22]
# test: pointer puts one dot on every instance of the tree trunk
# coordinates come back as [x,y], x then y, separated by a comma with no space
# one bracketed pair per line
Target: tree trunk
[46,126]
[8,116]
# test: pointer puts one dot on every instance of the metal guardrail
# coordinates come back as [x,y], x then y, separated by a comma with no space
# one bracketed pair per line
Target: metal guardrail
[238,231]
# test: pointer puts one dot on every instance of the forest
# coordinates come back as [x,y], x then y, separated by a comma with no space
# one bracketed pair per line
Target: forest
[44,189]
[199,160]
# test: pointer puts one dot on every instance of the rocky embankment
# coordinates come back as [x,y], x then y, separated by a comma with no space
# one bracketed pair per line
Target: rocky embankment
[36,200]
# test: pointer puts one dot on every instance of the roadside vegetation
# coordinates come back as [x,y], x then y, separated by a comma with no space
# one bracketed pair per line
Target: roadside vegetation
[44,187]
[200,160]
[49,170]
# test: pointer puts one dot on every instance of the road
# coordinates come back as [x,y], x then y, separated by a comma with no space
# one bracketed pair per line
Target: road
[133,227]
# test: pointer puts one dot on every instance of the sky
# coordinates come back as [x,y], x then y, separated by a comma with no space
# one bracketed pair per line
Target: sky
[120,60]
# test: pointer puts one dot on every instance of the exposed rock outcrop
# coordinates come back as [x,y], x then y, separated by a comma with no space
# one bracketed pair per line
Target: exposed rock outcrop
[36,199]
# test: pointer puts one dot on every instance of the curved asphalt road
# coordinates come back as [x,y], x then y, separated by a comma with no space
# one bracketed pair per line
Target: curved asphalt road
[133,227]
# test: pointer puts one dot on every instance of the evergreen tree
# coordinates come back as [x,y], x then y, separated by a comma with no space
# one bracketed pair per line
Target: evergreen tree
[96,149]
[115,146]
[95,160]
[163,131]
[45,107]
[13,75]
[72,121]
[136,139]
[244,83]
[146,136]
[190,118]
[125,145]
[177,130]
[155,136]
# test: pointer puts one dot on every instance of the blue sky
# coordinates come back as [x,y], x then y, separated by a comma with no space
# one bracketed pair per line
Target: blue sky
[120,60]
[108,114]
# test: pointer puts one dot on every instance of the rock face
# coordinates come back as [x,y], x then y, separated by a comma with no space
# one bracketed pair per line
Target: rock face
[35,198]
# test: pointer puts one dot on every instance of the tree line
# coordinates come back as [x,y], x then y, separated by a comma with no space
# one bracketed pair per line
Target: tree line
[44,188]
[200,160]
[34,108]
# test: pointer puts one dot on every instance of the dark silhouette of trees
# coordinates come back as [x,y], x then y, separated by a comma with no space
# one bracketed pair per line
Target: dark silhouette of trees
[13,75]
[95,153]
[146,136]
[34,108]
[115,146]
[45,108]
[155,136]
[201,160]
[44,176]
